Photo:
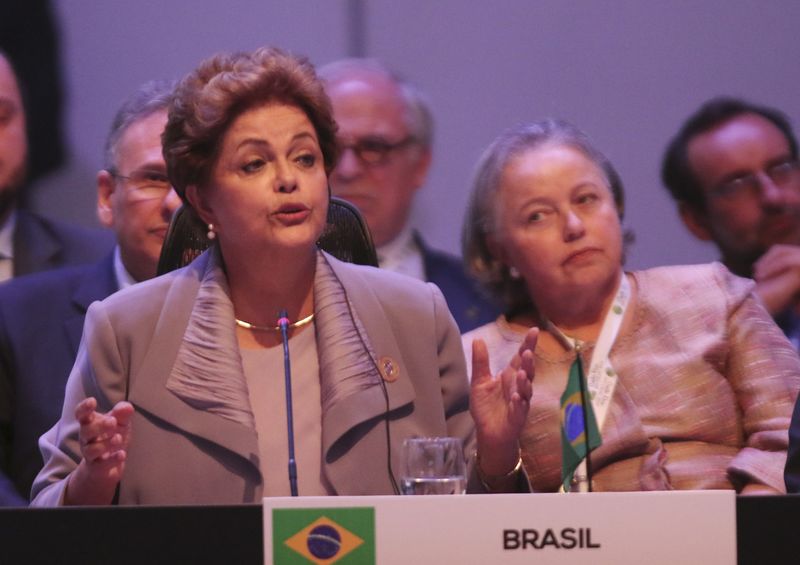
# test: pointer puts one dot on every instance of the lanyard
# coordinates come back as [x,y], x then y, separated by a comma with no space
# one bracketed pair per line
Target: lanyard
[601,378]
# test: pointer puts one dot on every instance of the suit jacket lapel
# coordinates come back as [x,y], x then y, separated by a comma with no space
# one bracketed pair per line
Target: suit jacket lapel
[351,366]
[97,283]
[34,246]
[352,391]
[202,392]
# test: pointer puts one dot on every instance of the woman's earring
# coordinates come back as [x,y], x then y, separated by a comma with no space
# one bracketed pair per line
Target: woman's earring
[514,273]
[211,233]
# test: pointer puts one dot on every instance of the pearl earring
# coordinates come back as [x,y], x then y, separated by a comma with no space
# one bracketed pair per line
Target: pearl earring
[514,273]
[211,233]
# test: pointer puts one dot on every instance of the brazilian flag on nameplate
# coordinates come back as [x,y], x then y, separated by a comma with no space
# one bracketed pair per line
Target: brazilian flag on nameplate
[573,430]
[323,536]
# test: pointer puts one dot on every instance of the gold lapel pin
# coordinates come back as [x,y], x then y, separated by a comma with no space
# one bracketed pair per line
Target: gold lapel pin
[390,371]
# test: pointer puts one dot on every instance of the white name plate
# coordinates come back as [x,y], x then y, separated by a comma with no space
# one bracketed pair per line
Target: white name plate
[654,527]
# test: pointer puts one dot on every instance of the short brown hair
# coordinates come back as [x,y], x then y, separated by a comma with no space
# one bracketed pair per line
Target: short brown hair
[224,86]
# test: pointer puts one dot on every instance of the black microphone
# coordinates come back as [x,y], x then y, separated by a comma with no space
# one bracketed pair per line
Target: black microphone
[283,323]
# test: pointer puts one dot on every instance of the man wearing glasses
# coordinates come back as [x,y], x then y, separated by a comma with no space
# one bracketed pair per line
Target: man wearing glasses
[41,315]
[733,171]
[28,242]
[386,134]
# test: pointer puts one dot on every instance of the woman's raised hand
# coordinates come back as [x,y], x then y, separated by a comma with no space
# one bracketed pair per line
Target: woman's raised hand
[499,405]
[104,440]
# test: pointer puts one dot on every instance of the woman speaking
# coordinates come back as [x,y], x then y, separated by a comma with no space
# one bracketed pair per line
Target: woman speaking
[177,395]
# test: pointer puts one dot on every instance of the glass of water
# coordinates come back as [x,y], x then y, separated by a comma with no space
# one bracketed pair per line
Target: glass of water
[434,465]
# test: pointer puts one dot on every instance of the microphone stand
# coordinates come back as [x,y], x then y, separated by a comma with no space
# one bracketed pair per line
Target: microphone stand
[283,323]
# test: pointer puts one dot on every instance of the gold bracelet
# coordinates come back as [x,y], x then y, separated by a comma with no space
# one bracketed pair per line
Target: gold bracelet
[491,482]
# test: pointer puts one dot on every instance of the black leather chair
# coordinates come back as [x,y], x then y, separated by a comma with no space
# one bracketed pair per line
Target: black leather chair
[345,236]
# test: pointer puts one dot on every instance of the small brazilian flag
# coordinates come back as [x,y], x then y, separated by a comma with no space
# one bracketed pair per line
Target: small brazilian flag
[573,430]
[323,536]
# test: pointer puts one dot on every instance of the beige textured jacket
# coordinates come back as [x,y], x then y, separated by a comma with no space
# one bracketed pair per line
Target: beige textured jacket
[169,347]
[706,385]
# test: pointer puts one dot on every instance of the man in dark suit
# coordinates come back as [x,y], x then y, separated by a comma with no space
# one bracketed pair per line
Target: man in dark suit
[386,132]
[41,315]
[30,243]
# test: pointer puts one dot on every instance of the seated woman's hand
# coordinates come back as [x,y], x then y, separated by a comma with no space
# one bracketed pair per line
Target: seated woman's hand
[499,406]
[104,440]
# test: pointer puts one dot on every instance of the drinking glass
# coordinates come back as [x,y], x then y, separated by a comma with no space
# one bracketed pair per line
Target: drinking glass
[433,465]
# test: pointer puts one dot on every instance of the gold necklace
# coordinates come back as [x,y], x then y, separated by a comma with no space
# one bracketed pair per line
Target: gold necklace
[249,326]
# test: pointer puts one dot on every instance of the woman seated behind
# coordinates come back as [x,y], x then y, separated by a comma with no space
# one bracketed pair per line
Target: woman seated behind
[692,384]
[177,395]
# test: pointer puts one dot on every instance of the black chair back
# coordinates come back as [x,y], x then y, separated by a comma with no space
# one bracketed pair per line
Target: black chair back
[345,236]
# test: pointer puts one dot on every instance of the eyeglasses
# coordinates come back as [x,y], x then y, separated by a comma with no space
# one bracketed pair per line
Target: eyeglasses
[145,185]
[375,150]
[750,185]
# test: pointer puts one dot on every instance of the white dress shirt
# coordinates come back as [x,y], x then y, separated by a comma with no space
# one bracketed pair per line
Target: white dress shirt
[7,247]
[402,255]
[124,278]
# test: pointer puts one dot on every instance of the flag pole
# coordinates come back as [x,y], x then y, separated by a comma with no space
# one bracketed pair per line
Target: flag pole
[585,411]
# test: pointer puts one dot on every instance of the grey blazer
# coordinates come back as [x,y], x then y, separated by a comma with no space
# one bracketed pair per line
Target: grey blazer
[391,367]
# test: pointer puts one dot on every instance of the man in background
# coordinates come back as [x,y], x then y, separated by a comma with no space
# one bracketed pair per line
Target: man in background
[733,171]
[31,243]
[386,135]
[41,315]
